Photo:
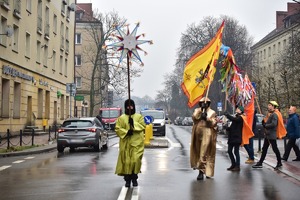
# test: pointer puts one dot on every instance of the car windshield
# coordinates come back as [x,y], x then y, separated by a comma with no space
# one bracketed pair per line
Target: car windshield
[77,124]
[110,113]
[154,114]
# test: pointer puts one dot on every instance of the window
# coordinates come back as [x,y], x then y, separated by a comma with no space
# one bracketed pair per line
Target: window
[47,23]
[264,54]
[40,17]
[284,43]
[45,61]
[15,42]
[53,60]
[5,98]
[269,51]
[17,100]
[40,104]
[78,38]
[62,107]
[3,26]
[78,82]
[60,64]
[279,47]
[28,6]
[77,60]
[47,105]
[38,52]
[54,24]
[27,44]
[66,67]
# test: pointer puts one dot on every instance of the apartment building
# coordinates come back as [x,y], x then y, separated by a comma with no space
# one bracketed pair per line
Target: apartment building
[36,61]
[90,67]
[268,53]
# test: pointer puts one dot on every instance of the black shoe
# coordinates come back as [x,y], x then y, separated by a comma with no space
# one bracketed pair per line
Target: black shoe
[285,159]
[230,168]
[257,165]
[278,166]
[200,176]
[127,184]
[236,168]
[134,183]
[297,159]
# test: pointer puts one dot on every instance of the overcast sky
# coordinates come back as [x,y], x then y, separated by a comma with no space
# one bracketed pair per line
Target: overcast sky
[163,21]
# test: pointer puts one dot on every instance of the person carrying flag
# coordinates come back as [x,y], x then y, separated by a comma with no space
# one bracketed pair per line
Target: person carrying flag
[204,139]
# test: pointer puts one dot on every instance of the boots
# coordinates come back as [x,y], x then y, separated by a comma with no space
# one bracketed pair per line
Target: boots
[134,178]
[200,175]
[127,179]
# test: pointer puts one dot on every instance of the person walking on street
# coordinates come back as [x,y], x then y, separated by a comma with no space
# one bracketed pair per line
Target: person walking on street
[235,138]
[249,147]
[130,128]
[270,126]
[293,133]
[204,139]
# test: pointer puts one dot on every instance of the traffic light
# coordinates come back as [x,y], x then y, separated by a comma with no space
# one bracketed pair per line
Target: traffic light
[110,98]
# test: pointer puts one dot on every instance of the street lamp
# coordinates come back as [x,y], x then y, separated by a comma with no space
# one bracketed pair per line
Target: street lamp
[9,31]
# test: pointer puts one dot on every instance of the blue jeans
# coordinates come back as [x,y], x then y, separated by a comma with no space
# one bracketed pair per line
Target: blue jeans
[249,148]
[234,161]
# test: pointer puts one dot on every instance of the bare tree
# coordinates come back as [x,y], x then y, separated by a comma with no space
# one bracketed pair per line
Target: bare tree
[103,71]
[195,38]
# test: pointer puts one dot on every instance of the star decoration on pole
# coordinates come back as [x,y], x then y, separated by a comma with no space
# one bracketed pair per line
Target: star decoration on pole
[128,43]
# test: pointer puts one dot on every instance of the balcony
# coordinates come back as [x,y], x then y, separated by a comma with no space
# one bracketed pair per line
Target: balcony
[5,4]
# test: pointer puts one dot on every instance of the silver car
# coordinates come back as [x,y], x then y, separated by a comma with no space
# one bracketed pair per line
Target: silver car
[82,132]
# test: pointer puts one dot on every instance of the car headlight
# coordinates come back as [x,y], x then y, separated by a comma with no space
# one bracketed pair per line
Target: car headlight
[162,123]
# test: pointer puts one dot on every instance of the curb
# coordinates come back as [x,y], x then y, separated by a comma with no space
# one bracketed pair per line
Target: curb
[35,150]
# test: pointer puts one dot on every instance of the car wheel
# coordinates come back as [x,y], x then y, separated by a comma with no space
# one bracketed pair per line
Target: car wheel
[97,147]
[60,148]
[105,147]
[72,149]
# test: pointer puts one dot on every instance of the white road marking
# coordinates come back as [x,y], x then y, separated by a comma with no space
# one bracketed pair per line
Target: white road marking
[123,193]
[4,167]
[173,144]
[135,193]
[28,158]
[18,161]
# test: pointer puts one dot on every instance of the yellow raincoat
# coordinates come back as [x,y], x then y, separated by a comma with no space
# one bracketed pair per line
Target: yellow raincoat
[131,148]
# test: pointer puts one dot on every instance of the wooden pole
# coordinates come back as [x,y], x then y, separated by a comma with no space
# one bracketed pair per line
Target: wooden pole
[128,78]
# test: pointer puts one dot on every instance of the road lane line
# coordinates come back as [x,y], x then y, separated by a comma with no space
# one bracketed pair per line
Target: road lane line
[28,158]
[135,193]
[123,193]
[4,167]
[18,161]
[173,144]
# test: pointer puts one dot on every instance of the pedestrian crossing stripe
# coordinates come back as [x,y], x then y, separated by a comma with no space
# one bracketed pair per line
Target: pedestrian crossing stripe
[4,167]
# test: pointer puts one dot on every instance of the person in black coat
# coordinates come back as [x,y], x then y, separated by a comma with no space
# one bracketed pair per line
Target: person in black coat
[235,138]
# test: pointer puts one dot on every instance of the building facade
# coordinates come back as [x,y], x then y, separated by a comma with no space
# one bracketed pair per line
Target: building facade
[269,56]
[36,61]
[90,59]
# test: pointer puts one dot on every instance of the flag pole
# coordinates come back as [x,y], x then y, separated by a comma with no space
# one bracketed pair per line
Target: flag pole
[128,78]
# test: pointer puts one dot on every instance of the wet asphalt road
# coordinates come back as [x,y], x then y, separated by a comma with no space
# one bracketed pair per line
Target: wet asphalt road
[166,174]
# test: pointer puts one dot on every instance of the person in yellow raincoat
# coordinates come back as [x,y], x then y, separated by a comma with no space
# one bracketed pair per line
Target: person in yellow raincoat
[204,138]
[130,128]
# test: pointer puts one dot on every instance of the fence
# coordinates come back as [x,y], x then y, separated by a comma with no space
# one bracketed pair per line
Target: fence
[26,139]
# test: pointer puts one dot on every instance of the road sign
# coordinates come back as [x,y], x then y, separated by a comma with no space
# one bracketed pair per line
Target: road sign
[79,98]
[219,106]
[148,119]
[71,88]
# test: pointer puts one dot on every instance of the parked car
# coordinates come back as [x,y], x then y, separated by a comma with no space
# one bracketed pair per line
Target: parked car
[82,132]
[178,120]
[187,121]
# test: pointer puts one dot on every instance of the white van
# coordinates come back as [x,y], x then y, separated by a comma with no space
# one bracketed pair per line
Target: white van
[159,122]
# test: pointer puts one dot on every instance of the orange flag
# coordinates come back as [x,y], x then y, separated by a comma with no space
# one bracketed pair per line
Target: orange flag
[247,132]
[200,69]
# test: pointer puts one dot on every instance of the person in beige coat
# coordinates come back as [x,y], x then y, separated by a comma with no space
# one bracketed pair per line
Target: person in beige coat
[203,141]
